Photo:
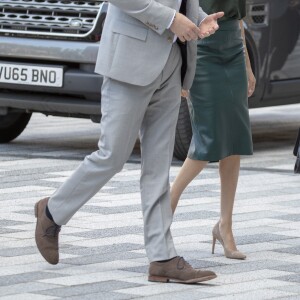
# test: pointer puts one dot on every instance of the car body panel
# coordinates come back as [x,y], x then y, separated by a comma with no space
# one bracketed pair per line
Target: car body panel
[272,31]
[277,46]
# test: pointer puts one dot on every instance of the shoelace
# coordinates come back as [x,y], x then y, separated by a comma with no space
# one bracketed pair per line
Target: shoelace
[182,263]
[52,231]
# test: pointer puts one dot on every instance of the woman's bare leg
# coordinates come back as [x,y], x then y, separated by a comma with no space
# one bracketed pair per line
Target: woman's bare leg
[229,168]
[189,170]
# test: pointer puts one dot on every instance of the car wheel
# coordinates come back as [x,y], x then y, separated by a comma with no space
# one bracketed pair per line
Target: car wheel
[12,125]
[183,132]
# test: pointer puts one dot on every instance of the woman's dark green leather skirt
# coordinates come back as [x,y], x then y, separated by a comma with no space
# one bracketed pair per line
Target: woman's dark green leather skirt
[219,102]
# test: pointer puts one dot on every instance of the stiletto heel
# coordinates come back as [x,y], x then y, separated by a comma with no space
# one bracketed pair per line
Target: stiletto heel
[213,244]
[228,253]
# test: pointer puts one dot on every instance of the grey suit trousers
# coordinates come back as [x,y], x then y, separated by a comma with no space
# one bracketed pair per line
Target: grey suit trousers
[126,110]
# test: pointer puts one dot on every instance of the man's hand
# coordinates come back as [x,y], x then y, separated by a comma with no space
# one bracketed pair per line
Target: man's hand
[209,25]
[184,28]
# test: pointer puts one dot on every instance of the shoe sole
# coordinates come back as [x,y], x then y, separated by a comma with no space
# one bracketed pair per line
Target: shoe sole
[174,280]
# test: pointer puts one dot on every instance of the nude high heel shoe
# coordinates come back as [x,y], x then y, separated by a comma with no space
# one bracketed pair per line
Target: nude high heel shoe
[229,254]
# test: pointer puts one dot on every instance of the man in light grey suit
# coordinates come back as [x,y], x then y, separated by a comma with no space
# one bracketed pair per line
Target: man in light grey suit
[143,74]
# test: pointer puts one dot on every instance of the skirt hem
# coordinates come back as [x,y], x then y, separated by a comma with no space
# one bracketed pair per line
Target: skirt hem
[214,159]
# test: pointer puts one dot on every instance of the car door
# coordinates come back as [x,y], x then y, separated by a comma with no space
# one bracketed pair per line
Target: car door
[284,50]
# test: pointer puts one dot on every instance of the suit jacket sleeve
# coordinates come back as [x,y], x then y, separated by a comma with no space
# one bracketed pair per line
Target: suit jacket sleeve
[150,12]
[202,15]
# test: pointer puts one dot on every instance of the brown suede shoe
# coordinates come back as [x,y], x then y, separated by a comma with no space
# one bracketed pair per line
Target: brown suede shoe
[46,233]
[177,270]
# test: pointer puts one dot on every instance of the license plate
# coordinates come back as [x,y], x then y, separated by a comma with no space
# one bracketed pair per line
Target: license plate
[31,75]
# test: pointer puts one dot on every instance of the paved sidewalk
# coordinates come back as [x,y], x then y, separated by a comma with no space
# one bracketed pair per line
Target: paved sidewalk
[102,254]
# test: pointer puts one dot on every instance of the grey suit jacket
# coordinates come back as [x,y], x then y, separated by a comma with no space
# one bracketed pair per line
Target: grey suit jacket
[136,43]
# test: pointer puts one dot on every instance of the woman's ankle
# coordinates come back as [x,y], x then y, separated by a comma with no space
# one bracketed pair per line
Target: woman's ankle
[226,225]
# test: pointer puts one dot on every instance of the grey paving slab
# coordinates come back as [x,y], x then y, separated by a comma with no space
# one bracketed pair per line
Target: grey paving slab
[260,294]
[90,288]
[292,242]
[203,263]
[197,254]
[91,259]
[293,267]
[292,250]
[110,210]
[291,288]
[289,217]
[290,278]
[257,215]
[248,266]
[289,298]
[102,251]
[195,215]
[28,296]
[109,232]
[259,238]
[11,252]
[8,230]
[25,212]
[27,277]
[26,287]
[268,191]
[109,249]
[190,295]
[4,223]
[139,269]
[292,203]
[102,295]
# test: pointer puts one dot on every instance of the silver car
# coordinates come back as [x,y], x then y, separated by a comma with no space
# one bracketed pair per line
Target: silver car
[48,50]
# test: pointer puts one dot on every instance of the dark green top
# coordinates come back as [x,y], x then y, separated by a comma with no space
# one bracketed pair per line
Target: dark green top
[233,9]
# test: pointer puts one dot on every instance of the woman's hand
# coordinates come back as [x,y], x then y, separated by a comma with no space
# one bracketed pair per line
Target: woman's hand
[184,94]
[251,82]
[250,75]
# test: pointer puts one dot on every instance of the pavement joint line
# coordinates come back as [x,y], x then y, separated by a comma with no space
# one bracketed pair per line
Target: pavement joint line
[102,247]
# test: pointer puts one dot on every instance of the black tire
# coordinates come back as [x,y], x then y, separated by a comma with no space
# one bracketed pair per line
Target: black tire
[12,125]
[183,132]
